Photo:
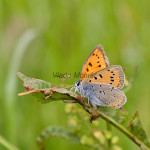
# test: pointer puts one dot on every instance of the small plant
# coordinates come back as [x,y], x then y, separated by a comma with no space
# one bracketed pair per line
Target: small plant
[79,129]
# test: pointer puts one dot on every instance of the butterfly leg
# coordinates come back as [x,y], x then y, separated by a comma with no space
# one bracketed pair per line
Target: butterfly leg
[94,105]
[92,101]
[88,101]
[72,88]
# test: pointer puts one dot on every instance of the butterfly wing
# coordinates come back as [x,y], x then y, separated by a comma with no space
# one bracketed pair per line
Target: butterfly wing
[97,60]
[112,75]
[105,95]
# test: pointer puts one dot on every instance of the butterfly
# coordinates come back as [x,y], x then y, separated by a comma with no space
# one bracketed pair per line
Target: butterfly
[101,83]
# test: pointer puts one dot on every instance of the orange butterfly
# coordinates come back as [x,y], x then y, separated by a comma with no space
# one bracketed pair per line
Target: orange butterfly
[101,83]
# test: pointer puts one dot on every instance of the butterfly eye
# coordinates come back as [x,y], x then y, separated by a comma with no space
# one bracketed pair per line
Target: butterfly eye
[77,83]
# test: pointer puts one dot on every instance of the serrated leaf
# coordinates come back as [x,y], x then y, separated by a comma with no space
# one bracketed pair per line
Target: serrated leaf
[119,118]
[128,124]
[34,84]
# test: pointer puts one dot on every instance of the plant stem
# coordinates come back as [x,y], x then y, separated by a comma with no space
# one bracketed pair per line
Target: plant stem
[11,84]
[109,130]
[6,144]
[104,116]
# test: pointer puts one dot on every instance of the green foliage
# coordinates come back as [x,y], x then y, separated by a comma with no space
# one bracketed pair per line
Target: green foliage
[40,38]
[57,131]
[119,118]
[79,131]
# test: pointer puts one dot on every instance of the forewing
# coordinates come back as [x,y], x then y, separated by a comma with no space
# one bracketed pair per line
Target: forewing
[112,75]
[105,95]
[97,60]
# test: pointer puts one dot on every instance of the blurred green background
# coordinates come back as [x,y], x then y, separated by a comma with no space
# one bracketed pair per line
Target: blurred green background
[38,38]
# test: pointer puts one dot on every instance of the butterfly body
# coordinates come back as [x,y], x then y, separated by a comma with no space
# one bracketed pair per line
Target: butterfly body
[101,83]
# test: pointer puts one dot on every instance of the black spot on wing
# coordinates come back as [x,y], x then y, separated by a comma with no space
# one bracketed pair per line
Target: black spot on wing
[90,64]
[100,76]
[95,78]
[87,69]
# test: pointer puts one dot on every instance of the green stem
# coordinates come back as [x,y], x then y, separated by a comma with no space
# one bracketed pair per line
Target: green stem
[109,130]
[104,116]
[11,83]
[6,144]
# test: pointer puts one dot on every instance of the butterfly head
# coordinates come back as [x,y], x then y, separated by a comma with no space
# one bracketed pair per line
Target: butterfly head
[77,83]
[77,86]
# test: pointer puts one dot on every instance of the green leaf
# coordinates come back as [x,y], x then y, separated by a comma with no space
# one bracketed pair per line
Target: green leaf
[34,84]
[121,119]
[43,91]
